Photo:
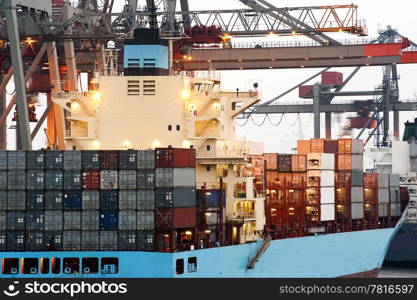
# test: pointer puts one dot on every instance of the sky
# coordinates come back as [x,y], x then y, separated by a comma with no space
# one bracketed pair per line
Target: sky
[377,14]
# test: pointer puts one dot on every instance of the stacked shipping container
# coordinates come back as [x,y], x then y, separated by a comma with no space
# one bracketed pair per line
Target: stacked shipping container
[85,200]
[175,198]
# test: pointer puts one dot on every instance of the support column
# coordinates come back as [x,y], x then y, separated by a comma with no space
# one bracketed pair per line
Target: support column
[70,57]
[185,8]
[21,100]
[316,110]
[71,67]
[57,111]
[328,121]
[386,102]
[395,99]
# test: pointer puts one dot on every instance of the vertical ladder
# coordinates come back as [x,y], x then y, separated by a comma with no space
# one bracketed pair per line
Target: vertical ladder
[261,250]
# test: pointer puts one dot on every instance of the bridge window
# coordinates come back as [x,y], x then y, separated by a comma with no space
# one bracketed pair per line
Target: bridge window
[44,265]
[179,266]
[169,127]
[71,265]
[90,265]
[56,265]
[10,265]
[178,127]
[110,265]
[192,264]
[29,265]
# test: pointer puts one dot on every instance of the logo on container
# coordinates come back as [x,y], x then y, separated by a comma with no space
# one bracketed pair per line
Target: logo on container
[11,290]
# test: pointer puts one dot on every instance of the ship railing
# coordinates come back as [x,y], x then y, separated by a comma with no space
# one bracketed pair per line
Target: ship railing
[210,185]
[291,44]
[244,215]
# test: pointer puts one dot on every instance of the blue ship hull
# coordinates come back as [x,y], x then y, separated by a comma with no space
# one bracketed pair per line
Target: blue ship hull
[403,248]
[332,255]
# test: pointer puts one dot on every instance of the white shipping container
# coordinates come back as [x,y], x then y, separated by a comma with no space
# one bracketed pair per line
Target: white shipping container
[320,161]
[327,212]
[326,177]
[356,194]
[383,195]
[383,209]
[395,209]
[400,157]
[357,146]
[184,177]
[108,180]
[357,162]
[394,180]
[357,210]
[383,180]
[327,195]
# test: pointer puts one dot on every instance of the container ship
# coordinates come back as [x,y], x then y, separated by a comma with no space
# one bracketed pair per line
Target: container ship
[400,157]
[152,182]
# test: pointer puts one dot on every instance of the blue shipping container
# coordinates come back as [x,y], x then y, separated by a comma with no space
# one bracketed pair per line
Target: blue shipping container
[72,200]
[109,220]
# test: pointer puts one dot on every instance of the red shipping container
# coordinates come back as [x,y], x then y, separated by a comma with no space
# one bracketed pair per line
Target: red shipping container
[332,78]
[271,161]
[360,122]
[305,91]
[175,158]
[91,180]
[183,217]
[331,146]
[109,160]
[39,83]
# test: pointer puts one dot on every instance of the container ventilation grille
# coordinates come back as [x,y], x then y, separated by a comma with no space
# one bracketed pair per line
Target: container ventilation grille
[133,87]
[149,87]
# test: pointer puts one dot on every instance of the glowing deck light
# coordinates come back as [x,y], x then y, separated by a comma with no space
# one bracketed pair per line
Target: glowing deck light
[185,94]
[75,106]
[188,232]
[96,144]
[156,144]
[186,144]
[127,144]
[96,96]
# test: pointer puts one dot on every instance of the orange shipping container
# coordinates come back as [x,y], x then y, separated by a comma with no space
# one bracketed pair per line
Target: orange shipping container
[348,162]
[370,180]
[298,163]
[284,178]
[317,145]
[299,179]
[303,147]
[271,161]
[271,179]
[350,146]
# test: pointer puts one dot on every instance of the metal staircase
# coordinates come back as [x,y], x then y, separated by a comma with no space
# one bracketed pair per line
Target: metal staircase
[261,250]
